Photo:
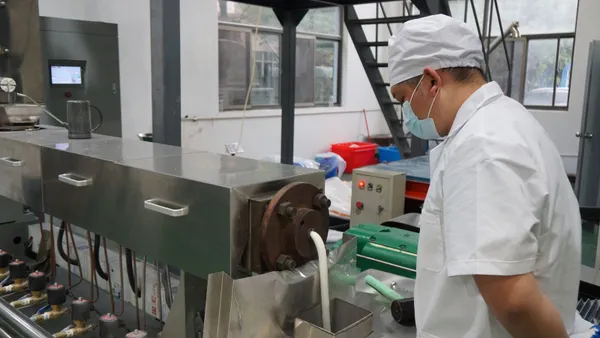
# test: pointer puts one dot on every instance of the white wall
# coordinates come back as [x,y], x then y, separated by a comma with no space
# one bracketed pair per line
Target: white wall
[316,128]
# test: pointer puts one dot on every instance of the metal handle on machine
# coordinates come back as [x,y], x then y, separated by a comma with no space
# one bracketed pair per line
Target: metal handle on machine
[13,162]
[166,208]
[74,180]
[586,135]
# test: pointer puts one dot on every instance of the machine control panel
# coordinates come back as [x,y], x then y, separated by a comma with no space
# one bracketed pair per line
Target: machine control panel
[377,195]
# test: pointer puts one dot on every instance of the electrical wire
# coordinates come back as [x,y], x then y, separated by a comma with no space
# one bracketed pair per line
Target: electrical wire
[110,286]
[252,73]
[137,302]
[93,276]
[61,122]
[68,260]
[61,250]
[70,234]
[41,229]
[144,293]
[52,249]
[166,280]
[122,310]
[159,300]
[99,270]
[129,261]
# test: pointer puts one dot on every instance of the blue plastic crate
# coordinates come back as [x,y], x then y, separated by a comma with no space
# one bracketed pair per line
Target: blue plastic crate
[389,154]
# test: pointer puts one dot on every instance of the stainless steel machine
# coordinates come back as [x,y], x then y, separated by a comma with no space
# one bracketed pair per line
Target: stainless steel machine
[197,211]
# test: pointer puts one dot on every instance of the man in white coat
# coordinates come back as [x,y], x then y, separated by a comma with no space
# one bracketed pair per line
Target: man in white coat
[500,244]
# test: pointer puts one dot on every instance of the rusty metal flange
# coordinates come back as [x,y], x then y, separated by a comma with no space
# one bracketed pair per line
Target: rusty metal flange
[293,212]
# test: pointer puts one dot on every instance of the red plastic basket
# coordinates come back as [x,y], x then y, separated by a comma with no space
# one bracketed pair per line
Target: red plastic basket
[356,154]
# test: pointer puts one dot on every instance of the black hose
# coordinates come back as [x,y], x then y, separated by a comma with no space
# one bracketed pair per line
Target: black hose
[132,282]
[101,273]
[61,250]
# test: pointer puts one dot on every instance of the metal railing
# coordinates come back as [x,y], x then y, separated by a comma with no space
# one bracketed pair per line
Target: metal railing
[490,9]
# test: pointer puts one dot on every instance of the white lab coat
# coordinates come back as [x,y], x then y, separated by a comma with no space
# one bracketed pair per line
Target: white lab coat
[499,203]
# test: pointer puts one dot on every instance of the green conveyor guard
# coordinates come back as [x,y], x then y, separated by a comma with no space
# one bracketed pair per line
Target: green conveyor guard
[387,249]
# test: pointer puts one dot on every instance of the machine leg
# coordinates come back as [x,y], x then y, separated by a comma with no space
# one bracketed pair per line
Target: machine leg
[184,315]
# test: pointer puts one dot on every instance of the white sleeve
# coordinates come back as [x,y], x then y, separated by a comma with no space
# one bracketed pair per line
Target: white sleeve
[490,206]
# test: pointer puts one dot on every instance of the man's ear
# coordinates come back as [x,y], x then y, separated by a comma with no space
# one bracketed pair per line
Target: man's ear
[435,80]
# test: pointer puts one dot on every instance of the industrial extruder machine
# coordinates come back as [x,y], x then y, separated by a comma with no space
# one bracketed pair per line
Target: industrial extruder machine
[197,211]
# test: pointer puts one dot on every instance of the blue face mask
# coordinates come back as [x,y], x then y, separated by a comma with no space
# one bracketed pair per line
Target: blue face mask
[423,129]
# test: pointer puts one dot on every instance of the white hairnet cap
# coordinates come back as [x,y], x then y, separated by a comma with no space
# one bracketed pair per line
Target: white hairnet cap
[435,41]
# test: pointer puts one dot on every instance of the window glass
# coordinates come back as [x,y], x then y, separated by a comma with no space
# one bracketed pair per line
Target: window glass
[541,66]
[317,56]
[326,76]
[305,70]
[230,11]
[563,74]
[265,90]
[233,67]
[533,15]
[322,21]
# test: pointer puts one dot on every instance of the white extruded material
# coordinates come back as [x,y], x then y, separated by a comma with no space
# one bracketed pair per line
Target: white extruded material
[7,84]
[324,279]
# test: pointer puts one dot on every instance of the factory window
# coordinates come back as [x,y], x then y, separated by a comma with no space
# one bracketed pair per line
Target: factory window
[318,48]
[548,71]
[541,59]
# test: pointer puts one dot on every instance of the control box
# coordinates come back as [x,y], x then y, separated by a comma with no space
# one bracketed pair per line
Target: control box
[377,195]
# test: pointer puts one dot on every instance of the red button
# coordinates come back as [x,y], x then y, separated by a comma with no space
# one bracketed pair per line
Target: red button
[360,205]
[68,94]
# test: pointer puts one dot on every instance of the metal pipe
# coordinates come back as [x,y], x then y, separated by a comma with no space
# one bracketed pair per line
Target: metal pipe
[121,296]
[4,334]
[159,294]
[485,55]
[19,323]
[78,330]
[56,312]
[18,286]
[486,18]
[108,274]
[508,32]
[33,300]
[137,303]
[166,276]
[144,292]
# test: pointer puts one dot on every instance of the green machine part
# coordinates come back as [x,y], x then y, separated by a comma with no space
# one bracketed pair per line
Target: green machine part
[387,249]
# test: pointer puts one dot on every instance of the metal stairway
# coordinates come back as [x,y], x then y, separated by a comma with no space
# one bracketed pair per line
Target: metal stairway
[375,67]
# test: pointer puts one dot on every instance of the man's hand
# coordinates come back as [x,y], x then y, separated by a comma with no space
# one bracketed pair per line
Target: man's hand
[520,306]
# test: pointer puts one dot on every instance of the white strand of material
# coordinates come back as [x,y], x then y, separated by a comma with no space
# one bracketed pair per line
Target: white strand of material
[324,278]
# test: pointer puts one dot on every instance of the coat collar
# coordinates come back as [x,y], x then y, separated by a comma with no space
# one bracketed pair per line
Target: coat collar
[480,97]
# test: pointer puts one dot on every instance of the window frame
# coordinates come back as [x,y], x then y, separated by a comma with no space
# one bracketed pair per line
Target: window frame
[550,36]
[339,39]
